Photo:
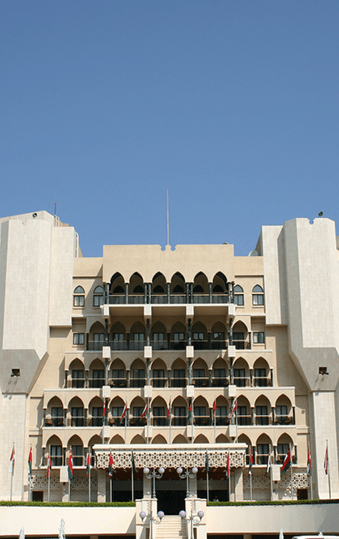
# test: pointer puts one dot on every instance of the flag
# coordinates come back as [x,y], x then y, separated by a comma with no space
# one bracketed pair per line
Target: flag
[132,461]
[234,406]
[251,462]
[104,410]
[12,461]
[287,463]
[169,409]
[123,415]
[269,461]
[214,409]
[30,460]
[190,410]
[49,466]
[110,466]
[207,466]
[144,412]
[70,465]
[88,464]
[326,459]
[228,465]
[309,463]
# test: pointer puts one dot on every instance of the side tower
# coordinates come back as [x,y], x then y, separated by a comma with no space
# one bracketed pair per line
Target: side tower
[36,267]
[302,292]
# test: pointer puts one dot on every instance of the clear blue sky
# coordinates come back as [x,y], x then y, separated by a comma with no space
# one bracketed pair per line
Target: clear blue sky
[233,105]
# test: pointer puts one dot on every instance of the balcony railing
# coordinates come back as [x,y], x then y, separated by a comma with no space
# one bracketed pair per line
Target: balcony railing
[162,299]
[161,345]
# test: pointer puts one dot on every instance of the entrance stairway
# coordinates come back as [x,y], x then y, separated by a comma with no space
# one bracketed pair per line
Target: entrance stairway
[171,527]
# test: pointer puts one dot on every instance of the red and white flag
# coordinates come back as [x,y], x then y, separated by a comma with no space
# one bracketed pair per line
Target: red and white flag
[12,461]
[169,409]
[234,406]
[144,412]
[30,461]
[70,465]
[49,466]
[88,464]
[228,465]
[123,415]
[326,459]
[110,465]
[214,409]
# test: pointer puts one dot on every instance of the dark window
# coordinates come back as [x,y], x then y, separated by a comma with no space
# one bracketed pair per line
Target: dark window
[79,297]
[242,418]
[262,453]
[98,378]
[238,295]
[78,339]
[97,418]
[138,378]
[57,414]
[257,295]
[180,418]
[77,413]
[260,378]
[179,379]
[221,415]
[77,451]
[219,377]
[239,340]
[98,296]
[200,417]
[78,379]
[158,378]
[239,377]
[56,455]
[199,377]
[258,337]
[261,415]
[159,417]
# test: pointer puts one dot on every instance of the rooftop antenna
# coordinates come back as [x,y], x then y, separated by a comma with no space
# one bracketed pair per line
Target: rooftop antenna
[55,207]
[167,219]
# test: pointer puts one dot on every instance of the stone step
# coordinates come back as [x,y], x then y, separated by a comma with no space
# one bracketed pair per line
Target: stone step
[171,527]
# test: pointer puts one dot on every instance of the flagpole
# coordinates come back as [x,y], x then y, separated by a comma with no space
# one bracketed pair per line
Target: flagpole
[170,426]
[125,418]
[215,426]
[292,485]
[271,476]
[148,419]
[328,472]
[49,473]
[132,459]
[11,491]
[251,458]
[89,475]
[207,477]
[309,465]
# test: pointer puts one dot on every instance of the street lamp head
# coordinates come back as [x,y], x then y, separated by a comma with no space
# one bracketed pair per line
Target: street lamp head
[142,515]
[161,514]
[179,470]
[201,514]
[195,469]
[182,514]
[146,470]
[161,470]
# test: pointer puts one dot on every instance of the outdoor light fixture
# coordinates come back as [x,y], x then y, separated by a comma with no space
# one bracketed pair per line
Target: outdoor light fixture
[187,475]
[154,474]
[193,519]
[323,371]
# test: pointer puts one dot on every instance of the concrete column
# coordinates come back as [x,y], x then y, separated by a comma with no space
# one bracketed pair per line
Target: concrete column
[126,293]
[238,485]
[210,292]
[101,486]
[168,293]
[193,487]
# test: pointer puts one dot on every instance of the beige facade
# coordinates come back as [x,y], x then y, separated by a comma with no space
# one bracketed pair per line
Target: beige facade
[191,326]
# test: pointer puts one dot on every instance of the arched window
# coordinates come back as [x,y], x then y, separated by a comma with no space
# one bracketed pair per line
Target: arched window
[257,295]
[98,296]
[238,295]
[79,297]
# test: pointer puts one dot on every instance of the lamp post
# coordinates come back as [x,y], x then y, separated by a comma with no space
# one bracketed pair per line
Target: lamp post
[193,519]
[187,475]
[150,519]
[154,474]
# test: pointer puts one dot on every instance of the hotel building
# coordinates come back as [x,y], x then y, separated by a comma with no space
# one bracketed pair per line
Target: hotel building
[186,357]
